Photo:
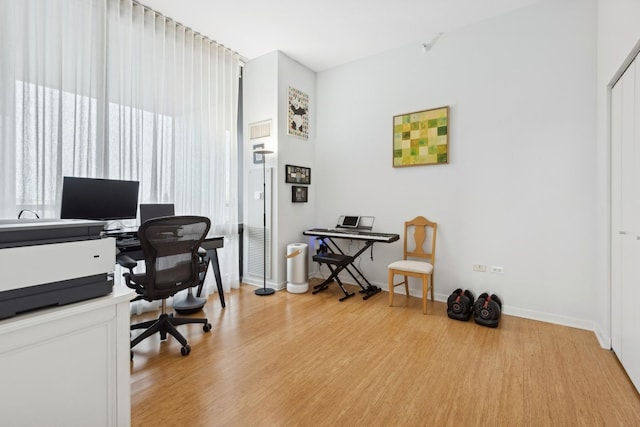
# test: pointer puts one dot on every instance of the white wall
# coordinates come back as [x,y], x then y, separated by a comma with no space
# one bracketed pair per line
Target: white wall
[293,218]
[519,191]
[260,103]
[618,33]
[266,87]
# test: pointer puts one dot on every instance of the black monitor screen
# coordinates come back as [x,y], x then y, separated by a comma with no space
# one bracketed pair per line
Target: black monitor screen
[99,199]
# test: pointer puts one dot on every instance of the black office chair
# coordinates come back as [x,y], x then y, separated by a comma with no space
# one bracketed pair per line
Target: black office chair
[170,246]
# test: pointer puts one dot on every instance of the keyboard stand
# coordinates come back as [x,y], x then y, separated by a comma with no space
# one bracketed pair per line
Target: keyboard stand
[337,260]
[341,261]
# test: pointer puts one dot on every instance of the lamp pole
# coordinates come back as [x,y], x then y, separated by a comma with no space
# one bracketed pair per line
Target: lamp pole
[264,290]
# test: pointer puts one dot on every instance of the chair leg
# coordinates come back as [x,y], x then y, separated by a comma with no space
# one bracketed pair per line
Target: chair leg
[143,325]
[424,294]
[177,321]
[431,285]
[406,286]
[390,288]
[153,328]
[170,329]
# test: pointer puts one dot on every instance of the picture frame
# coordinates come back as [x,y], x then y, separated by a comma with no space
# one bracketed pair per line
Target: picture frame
[298,113]
[297,175]
[421,138]
[258,158]
[299,194]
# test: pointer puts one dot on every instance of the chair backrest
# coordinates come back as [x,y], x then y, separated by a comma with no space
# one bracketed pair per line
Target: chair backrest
[170,246]
[420,239]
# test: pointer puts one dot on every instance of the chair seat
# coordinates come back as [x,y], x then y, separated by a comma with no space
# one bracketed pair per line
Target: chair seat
[333,258]
[412,266]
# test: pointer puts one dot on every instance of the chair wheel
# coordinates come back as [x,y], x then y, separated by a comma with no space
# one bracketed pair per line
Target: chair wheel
[185,350]
[207,327]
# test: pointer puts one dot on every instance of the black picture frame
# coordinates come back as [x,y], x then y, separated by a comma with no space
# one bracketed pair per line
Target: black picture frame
[299,194]
[297,175]
[258,158]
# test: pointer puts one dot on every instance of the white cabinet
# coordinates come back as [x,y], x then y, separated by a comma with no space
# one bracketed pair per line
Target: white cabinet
[625,221]
[68,366]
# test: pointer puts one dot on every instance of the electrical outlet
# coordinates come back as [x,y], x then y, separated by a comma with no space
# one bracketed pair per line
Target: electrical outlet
[496,269]
[480,268]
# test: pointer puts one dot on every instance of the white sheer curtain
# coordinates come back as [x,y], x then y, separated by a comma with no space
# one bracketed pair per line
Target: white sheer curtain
[51,75]
[109,89]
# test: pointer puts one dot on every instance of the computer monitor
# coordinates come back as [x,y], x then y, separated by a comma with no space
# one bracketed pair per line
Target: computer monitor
[155,210]
[98,199]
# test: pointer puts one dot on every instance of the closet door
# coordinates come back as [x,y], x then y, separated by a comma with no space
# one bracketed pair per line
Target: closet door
[625,210]
[631,244]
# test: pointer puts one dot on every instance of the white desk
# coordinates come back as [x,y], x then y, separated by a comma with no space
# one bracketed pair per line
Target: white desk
[68,365]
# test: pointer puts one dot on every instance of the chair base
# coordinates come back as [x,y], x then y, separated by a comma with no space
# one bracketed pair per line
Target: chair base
[166,325]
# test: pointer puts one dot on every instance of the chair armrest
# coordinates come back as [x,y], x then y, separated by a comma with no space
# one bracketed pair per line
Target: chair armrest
[126,261]
[204,261]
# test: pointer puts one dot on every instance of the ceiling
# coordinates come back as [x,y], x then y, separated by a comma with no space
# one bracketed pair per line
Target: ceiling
[323,34]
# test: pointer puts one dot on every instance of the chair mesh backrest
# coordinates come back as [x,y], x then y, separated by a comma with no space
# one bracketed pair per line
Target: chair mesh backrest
[420,239]
[170,246]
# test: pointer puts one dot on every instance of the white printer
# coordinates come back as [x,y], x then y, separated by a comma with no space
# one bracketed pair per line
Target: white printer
[45,262]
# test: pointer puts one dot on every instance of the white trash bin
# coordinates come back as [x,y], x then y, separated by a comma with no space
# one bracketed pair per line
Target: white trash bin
[297,268]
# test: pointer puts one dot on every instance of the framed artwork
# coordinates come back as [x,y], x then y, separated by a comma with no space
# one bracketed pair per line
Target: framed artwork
[421,138]
[297,175]
[298,194]
[298,116]
[258,158]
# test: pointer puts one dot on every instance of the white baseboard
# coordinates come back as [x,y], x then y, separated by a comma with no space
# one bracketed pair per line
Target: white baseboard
[603,339]
[513,311]
[548,317]
[259,282]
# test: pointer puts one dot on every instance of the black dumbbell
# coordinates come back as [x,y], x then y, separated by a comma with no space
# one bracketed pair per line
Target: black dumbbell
[460,304]
[487,310]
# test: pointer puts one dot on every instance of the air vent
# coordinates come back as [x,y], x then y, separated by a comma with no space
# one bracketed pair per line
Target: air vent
[256,260]
[260,130]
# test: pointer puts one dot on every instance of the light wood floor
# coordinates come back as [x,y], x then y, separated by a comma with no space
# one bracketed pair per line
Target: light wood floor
[310,360]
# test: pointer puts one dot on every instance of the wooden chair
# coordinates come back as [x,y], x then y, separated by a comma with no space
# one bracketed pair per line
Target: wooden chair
[418,260]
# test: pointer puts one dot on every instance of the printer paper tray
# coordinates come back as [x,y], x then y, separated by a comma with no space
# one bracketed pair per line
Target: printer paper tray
[29,298]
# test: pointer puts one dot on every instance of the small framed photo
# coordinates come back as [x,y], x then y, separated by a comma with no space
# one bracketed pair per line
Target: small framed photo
[258,158]
[298,194]
[298,175]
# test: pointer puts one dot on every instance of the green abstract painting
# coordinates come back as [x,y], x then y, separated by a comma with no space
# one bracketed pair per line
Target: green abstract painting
[421,138]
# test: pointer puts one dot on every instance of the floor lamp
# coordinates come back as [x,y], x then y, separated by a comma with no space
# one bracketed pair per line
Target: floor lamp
[264,290]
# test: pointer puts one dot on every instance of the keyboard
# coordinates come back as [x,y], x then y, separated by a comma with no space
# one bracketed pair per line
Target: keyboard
[351,233]
[127,243]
